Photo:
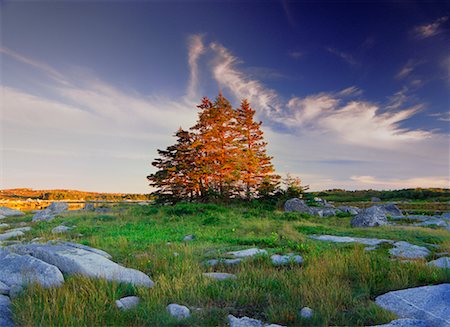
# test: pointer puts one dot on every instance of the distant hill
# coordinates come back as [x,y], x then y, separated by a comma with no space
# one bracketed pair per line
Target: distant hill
[416,194]
[28,193]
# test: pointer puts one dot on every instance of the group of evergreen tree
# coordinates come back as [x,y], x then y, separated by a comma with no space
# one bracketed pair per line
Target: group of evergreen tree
[222,156]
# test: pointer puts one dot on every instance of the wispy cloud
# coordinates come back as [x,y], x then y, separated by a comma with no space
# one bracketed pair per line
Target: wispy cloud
[396,183]
[296,54]
[347,57]
[429,30]
[442,116]
[407,69]
[196,49]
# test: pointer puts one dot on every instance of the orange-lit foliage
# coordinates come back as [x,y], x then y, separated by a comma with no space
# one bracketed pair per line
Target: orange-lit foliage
[222,156]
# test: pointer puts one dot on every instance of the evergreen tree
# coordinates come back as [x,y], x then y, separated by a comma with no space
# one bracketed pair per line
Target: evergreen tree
[254,163]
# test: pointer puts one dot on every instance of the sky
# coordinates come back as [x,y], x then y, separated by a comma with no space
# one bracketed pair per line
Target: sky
[351,94]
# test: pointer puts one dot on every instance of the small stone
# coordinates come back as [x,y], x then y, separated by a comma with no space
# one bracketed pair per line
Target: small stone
[443,262]
[306,313]
[61,229]
[176,254]
[178,311]
[279,260]
[220,276]
[247,253]
[188,238]
[168,243]
[127,303]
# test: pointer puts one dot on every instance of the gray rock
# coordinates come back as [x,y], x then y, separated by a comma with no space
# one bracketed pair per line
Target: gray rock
[127,303]
[244,322]
[350,210]
[215,262]
[11,234]
[51,211]
[4,225]
[347,239]
[409,251]
[15,290]
[323,212]
[20,229]
[247,253]
[219,276]
[72,260]
[406,323]
[61,229]
[88,207]
[306,313]
[429,303]
[188,238]
[296,205]
[370,248]
[4,289]
[6,212]
[248,322]
[24,269]
[375,199]
[2,217]
[370,217]
[433,222]
[178,311]
[5,312]
[279,260]
[391,209]
[443,262]
[87,248]
[103,210]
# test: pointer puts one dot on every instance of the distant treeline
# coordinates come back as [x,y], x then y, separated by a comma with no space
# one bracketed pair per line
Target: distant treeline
[27,193]
[429,194]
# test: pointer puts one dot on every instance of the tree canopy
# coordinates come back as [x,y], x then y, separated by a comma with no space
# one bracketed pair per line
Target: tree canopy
[222,156]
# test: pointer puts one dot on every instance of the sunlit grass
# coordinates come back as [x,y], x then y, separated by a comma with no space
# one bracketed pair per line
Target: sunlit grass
[339,281]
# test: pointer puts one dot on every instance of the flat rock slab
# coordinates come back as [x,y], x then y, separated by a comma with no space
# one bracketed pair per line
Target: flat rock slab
[443,262]
[61,229]
[279,260]
[4,225]
[247,253]
[10,234]
[72,260]
[219,276]
[409,251]
[406,323]
[87,248]
[128,303]
[5,312]
[429,303]
[228,262]
[20,229]
[21,270]
[5,211]
[348,239]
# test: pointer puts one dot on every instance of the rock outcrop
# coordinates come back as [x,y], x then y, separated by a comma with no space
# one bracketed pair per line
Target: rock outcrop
[428,303]
[51,211]
[370,217]
[6,212]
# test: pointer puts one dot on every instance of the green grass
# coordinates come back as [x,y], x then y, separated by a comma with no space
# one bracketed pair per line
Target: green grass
[339,281]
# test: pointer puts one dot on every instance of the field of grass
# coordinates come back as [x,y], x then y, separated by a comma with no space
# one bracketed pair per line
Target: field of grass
[339,281]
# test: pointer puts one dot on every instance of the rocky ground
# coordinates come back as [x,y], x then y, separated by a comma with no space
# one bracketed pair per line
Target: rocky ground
[46,250]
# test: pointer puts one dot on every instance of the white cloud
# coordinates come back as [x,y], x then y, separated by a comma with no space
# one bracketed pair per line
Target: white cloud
[429,30]
[396,183]
[347,57]
[196,49]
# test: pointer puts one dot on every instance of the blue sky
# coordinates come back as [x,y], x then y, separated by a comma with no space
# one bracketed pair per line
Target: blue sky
[351,95]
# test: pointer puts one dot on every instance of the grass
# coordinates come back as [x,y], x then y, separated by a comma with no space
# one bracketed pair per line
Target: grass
[339,281]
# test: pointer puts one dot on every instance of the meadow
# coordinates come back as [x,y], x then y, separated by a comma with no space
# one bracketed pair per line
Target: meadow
[338,281]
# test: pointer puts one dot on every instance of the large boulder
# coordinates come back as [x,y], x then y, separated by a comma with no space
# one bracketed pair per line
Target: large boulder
[296,205]
[73,260]
[429,303]
[22,270]
[443,262]
[6,212]
[370,217]
[5,312]
[391,209]
[51,211]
